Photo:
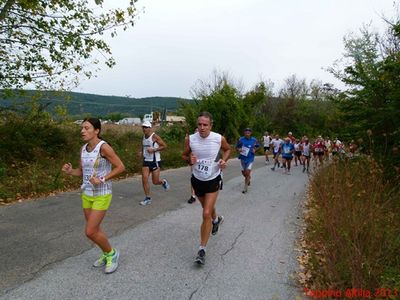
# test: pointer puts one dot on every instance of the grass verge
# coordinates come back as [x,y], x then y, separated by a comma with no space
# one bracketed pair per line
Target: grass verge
[352,230]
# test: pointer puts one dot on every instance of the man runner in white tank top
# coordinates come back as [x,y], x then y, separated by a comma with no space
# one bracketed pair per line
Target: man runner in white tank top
[152,145]
[267,139]
[202,153]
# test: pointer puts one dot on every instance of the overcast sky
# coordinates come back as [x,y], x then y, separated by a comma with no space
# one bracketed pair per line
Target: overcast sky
[176,42]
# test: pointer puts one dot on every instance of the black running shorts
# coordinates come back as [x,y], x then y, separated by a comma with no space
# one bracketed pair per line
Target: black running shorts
[152,165]
[204,187]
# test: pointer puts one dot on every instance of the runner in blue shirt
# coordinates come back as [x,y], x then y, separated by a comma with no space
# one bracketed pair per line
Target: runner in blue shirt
[246,147]
[287,154]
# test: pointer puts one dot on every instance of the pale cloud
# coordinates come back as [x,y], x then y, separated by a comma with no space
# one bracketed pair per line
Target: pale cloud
[174,43]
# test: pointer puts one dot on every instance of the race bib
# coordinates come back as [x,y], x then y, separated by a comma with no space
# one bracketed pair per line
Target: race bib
[86,176]
[286,150]
[204,168]
[244,151]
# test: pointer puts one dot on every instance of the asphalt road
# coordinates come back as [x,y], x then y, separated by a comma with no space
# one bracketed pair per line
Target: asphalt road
[45,255]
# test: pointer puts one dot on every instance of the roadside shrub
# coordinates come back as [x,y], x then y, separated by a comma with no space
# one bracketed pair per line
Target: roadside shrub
[172,156]
[175,132]
[24,141]
[353,228]
[128,146]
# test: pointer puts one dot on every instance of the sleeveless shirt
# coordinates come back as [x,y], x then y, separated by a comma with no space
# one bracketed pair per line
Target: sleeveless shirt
[148,142]
[93,164]
[206,150]
[306,150]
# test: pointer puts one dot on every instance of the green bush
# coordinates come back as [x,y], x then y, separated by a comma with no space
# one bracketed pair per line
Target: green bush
[175,132]
[27,141]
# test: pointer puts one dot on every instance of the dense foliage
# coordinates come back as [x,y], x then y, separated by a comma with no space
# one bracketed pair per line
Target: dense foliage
[306,113]
[48,44]
[371,104]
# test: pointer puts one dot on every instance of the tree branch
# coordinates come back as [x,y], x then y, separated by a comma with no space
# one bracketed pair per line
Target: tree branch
[5,9]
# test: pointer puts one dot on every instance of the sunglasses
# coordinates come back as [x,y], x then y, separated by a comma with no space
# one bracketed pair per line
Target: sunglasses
[144,127]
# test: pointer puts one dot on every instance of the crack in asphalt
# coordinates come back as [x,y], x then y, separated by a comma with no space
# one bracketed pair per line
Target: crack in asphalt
[193,293]
[222,257]
[233,244]
[200,287]
[272,241]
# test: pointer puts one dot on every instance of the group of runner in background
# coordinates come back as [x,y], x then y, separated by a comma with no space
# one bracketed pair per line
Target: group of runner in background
[303,150]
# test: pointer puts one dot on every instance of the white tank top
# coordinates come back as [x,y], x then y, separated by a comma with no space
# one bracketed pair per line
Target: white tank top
[93,164]
[148,142]
[206,150]
[306,150]
[267,140]
[277,144]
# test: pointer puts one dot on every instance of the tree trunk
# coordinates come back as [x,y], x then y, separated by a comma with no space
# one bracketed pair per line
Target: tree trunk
[5,9]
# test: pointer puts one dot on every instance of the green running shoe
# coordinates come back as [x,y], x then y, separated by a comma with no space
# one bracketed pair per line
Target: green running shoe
[112,262]
[101,261]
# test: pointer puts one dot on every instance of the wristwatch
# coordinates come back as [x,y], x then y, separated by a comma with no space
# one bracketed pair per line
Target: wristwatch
[102,179]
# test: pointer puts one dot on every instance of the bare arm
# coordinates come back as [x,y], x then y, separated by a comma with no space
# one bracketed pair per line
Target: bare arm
[69,170]
[118,167]
[187,154]
[161,144]
[226,149]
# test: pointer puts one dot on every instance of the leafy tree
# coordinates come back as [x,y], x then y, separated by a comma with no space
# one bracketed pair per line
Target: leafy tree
[190,111]
[222,99]
[372,73]
[321,91]
[48,44]
[290,94]
[256,106]
[294,88]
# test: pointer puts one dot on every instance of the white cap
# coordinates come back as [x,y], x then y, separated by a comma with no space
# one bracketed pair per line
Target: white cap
[290,133]
[146,124]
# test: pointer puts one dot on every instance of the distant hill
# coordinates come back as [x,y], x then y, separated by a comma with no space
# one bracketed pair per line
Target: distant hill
[80,104]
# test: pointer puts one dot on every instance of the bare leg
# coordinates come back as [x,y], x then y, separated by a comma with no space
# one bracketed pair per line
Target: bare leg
[247,175]
[288,163]
[93,231]
[155,177]
[145,181]
[208,203]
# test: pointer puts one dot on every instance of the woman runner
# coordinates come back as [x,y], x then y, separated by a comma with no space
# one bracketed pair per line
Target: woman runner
[97,160]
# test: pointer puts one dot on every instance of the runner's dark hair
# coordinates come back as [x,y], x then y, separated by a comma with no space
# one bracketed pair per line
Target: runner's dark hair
[96,124]
[206,114]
